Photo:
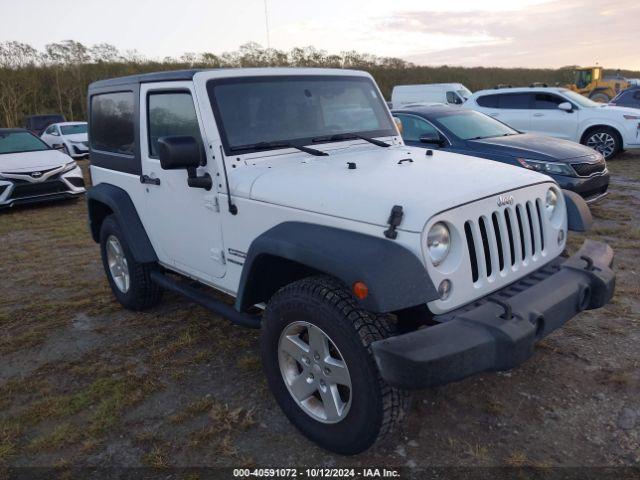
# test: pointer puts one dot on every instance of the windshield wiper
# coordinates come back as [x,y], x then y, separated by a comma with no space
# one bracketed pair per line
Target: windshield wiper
[269,145]
[349,136]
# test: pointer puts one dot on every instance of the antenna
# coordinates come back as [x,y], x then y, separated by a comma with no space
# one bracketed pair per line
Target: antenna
[266,22]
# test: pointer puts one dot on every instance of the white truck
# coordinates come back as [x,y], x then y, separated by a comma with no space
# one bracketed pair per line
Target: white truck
[403,96]
[370,267]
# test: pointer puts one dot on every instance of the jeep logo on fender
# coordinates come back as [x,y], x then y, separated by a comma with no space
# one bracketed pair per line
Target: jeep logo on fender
[505,200]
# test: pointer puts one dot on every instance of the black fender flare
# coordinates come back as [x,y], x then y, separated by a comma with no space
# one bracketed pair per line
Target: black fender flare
[117,201]
[579,217]
[396,277]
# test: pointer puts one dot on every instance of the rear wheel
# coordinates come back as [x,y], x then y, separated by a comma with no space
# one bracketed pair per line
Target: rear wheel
[600,97]
[316,353]
[604,140]
[129,280]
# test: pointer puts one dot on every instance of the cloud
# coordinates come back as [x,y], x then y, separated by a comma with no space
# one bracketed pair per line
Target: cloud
[552,34]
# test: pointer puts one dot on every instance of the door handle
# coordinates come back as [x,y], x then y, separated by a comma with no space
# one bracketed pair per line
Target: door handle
[494,114]
[538,114]
[147,179]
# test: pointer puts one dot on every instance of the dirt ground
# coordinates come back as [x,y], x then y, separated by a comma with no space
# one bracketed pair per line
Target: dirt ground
[86,383]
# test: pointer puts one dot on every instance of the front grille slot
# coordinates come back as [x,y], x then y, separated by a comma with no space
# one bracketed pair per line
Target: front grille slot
[26,189]
[588,169]
[509,237]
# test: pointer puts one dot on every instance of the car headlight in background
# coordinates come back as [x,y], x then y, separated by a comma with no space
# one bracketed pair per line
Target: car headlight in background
[551,202]
[547,167]
[69,166]
[438,243]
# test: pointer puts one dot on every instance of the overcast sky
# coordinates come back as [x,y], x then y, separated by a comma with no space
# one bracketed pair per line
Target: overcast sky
[507,33]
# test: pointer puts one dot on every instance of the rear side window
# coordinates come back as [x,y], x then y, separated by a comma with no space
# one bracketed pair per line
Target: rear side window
[636,95]
[171,113]
[488,101]
[112,129]
[547,101]
[514,101]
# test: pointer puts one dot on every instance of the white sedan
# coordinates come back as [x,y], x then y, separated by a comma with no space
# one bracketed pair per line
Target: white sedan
[70,137]
[561,113]
[31,171]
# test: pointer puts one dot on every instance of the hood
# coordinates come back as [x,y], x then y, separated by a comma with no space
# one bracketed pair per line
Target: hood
[618,110]
[535,147]
[77,137]
[30,161]
[424,187]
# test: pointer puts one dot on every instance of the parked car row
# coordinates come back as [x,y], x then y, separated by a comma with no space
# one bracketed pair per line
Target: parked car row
[555,112]
[573,166]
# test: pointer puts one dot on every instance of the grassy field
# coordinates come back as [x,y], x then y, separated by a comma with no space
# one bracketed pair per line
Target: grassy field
[84,382]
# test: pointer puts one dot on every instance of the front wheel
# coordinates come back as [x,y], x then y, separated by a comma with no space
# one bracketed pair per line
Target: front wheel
[604,140]
[316,353]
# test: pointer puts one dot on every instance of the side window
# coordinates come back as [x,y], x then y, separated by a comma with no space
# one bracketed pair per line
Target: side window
[453,98]
[547,101]
[112,116]
[488,101]
[636,95]
[49,130]
[513,101]
[170,113]
[413,128]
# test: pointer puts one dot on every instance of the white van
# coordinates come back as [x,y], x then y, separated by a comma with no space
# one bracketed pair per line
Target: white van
[446,93]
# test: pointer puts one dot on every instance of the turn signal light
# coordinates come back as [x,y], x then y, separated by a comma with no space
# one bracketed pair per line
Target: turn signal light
[360,290]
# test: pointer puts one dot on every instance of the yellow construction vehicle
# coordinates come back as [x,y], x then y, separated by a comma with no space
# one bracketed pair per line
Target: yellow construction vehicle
[590,82]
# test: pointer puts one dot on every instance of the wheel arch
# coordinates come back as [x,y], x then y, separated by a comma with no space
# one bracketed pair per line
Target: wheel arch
[104,200]
[590,128]
[396,278]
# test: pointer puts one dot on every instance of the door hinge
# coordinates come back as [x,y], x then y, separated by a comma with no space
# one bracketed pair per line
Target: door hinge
[217,255]
[211,202]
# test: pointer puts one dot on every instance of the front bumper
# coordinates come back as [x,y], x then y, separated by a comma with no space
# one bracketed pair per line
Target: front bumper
[499,332]
[591,188]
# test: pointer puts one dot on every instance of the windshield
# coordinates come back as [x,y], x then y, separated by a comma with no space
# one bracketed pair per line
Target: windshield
[464,93]
[296,109]
[474,125]
[580,100]
[73,129]
[16,142]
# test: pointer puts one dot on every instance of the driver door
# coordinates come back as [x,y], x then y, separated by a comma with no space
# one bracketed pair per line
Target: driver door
[183,223]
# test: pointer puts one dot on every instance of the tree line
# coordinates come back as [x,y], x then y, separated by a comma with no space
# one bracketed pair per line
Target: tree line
[55,80]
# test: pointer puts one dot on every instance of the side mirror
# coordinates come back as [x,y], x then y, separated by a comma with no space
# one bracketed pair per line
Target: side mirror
[184,152]
[59,147]
[566,106]
[432,138]
[179,152]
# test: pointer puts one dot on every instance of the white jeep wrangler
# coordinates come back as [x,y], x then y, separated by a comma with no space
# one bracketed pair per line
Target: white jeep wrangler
[370,267]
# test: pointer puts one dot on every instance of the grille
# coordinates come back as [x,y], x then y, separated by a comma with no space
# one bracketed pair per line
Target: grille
[588,169]
[46,170]
[26,189]
[505,239]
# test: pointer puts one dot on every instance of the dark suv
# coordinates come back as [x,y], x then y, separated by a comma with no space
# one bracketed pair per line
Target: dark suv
[627,98]
[38,123]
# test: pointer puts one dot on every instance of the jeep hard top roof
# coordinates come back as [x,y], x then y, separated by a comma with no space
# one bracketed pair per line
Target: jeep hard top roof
[185,75]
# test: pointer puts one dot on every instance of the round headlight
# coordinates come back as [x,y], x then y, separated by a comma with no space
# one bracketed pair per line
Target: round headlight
[551,202]
[438,243]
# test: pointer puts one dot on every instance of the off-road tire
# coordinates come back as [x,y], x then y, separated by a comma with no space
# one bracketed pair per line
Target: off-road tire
[376,407]
[600,97]
[143,293]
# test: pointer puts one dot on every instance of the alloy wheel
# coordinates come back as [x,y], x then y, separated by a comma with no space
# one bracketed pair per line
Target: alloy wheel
[315,372]
[118,266]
